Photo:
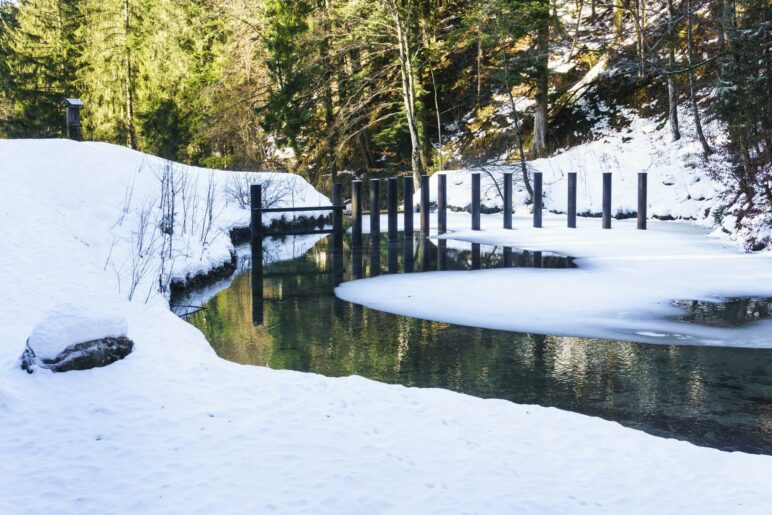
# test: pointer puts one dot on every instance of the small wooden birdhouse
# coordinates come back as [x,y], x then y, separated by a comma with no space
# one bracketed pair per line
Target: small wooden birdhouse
[72,107]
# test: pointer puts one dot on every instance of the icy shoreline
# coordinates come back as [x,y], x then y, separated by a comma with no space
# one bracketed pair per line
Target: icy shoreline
[171,428]
[624,287]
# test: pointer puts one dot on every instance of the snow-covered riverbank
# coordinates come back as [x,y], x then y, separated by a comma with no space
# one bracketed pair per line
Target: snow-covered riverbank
[624,288]
[173,429]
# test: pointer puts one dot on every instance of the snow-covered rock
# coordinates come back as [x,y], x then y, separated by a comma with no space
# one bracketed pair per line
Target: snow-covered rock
[76,337]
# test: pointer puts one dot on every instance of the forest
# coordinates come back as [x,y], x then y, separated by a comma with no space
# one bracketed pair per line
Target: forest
[380,87]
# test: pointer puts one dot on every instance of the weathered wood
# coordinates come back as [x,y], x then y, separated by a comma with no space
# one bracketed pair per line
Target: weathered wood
[507,200]
[571,202]
[642,200]
[537,199]
[356,213]
[424,205]
[442,203]
[475,201]
[408,206]
[391,201]
[256,241]
[606,219]
[375,207]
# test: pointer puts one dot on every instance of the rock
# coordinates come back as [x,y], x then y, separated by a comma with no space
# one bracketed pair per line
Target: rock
[81,356]
[76,337]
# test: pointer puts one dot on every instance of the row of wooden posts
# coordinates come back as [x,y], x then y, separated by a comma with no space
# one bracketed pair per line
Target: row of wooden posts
[442,204]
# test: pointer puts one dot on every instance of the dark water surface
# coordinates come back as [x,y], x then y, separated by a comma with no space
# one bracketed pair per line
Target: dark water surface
[711,396]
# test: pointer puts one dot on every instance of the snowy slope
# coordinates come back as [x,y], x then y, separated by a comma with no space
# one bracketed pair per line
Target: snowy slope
[174,429]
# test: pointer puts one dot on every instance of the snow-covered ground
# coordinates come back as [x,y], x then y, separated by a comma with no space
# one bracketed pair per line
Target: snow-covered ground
[624,286]
[174,429]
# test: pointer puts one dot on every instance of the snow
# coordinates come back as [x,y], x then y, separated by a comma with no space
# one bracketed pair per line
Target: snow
[174,429]
[624,286]
[68,324]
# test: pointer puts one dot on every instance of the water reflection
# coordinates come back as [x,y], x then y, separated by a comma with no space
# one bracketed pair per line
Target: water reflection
[712,396]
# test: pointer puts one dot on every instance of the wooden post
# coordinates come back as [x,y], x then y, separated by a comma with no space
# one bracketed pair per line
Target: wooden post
[375,254]
[356,213]
[507,257]
[571,209]
[407,255]
[375,208]
[442,203]
[356,262]
[408,202]
[425,205]
[476,201]
[642,194]
[391,200]
[606,200]
[256,241]
[537,201]
[537,259]
[393,257]
[507,200]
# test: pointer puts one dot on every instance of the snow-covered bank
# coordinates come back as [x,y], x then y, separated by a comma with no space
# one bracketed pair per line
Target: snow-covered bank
[173,429]
[623,289]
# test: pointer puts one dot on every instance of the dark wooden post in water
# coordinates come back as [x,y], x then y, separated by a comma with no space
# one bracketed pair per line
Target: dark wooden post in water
[425,205]
[442,254]
[256,241]
[475,201]
[507,200]
[408,202]
[442,203]
[537,201]
[507,257]
[606,200]
[375,207]
[571,205]
[642,200]
[337,213]
[356,213]
[391,201]
[537,259]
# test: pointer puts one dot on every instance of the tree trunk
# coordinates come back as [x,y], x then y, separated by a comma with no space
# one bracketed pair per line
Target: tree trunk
[672,92]
[324,54]
[518,135]
[128,83]
[539,144]
[408,95]
[693,99]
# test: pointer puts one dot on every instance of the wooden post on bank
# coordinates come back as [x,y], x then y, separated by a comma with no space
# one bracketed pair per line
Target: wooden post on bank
[442,203]
[606,221]
[356,213]
[425,205]
[475,201]
[642,200]
[537,201]
[507,200]
[375,208]
[408,209]
[392,207]
[571,204]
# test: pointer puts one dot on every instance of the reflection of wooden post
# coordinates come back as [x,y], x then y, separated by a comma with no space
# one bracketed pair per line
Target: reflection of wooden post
[642,200]
[356,262]
[442,254]
[537,259]
[356,213]
[337,233]
[375,254]
[507,200]
[442,203]
[507,257]
[571,205]
[606,200]
[375,207]
[475,201]
[391,201]
[256,241]
[425,205]
[537,201]
[393,257]
[408,202]
[475,256]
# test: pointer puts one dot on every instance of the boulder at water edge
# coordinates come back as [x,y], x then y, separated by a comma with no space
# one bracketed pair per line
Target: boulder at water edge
[73,337]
